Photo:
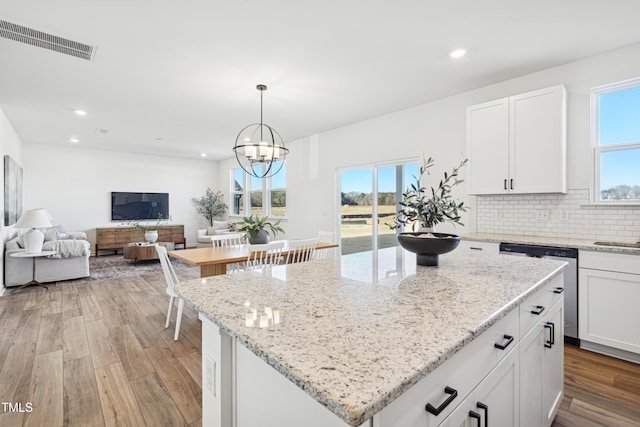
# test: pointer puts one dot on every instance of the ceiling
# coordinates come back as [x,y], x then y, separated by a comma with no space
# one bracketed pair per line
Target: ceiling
[179,79]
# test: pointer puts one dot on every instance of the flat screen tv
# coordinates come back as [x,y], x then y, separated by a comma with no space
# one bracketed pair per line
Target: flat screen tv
[138,206]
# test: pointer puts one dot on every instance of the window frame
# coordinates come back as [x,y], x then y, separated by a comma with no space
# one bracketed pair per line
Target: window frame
[247,190]
[597,150]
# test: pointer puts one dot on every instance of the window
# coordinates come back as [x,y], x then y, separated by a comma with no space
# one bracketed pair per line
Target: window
[279,191]
[616,143]
[237,191]
[259,196]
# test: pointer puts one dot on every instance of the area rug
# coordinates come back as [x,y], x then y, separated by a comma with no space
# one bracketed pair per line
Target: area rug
[115,266]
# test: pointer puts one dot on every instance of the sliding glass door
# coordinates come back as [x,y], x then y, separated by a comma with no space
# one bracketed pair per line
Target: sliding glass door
[369,199]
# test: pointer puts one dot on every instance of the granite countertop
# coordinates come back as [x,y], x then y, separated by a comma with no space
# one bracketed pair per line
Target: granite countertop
[357,331]
[561,242]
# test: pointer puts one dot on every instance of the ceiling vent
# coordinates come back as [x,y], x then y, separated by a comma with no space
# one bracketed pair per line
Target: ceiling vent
[27,35]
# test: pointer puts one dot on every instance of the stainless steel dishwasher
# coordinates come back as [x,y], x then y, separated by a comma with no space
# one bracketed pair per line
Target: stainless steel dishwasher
[570,280]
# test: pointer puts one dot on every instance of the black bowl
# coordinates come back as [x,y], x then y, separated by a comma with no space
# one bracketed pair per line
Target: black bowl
[427,249]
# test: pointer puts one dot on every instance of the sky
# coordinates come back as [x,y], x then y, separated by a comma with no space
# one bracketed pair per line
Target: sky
[361,180]
[620,122]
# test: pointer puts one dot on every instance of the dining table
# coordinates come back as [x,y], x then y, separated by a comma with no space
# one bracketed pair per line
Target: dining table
[213,261]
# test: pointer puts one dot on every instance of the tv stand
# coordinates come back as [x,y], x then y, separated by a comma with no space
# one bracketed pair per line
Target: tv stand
[116,238]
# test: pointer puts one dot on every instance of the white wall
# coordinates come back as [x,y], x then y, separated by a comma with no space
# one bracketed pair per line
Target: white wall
[436,129]
[75,184]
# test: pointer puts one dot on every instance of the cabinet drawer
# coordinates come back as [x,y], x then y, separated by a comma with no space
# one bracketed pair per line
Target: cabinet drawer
[622,263]
[533,308]
[462,373]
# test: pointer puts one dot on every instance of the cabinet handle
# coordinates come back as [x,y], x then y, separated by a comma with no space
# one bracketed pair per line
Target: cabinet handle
[485,407]
[511,183]
[509,339]
[475,248]
[552,334]
[452,395]
[539,309]
[505,184]
[558,290]
[474,414]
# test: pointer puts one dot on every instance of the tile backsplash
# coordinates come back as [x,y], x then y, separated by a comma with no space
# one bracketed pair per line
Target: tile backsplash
[551,215]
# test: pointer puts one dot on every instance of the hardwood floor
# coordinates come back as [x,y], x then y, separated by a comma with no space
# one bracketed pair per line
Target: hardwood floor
[97,354]
[599,391]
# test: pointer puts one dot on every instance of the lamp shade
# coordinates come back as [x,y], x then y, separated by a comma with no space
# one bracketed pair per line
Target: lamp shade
[34,218]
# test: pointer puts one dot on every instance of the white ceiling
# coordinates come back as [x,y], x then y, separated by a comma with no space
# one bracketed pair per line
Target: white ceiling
[186,71]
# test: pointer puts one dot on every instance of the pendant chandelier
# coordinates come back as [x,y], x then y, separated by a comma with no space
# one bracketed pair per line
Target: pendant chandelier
[259,149]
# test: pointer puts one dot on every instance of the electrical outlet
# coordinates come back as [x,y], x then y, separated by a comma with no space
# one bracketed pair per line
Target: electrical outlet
[541,215]
[498,214]
[563,214]
[210,374]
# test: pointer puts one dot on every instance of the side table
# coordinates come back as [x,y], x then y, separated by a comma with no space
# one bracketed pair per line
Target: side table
[33,280]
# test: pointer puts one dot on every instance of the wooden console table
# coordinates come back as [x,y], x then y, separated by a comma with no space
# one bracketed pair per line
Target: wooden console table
[116,238]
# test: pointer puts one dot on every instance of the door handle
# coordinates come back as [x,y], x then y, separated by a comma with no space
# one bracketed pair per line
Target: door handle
[484,407]
[476,416]
[552,334]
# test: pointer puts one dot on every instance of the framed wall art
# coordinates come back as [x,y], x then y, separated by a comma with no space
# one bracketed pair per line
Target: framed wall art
[12,191]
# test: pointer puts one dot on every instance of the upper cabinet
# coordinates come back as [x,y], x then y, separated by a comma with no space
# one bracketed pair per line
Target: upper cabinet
[518,144]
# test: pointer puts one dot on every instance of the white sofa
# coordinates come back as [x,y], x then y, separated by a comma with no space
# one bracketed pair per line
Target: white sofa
[70,262]
[218,227]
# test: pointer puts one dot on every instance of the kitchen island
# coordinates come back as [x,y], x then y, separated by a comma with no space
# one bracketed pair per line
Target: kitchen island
[349,341]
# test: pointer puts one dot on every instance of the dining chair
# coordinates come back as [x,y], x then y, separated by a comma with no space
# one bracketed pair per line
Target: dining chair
[231,239]
[264,255]
[301,250]
[324,237]
[171,278]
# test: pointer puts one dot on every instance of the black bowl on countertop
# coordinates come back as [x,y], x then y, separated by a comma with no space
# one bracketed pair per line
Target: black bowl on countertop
[428,249]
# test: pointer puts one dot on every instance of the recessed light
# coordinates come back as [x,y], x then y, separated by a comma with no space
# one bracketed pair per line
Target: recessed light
[80,112]
[159,139]
[457,53]
[203,154]
[74,140]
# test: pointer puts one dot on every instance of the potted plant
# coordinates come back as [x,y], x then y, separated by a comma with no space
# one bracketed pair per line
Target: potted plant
[423,208]
[150,230]
[255,229]
[211,205]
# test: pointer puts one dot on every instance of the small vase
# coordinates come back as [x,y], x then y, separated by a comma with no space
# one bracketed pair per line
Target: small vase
[151,236]
[259,238]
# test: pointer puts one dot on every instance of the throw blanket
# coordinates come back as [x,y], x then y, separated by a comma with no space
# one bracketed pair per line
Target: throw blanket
[66,248]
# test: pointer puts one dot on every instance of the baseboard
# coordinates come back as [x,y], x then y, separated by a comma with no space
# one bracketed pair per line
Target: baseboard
[3,289]
[610,351]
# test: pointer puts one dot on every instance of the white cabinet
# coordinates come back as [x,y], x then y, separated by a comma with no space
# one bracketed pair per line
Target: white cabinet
[541,369]
[518,144]
[495,398]
[608,296]
[449,384]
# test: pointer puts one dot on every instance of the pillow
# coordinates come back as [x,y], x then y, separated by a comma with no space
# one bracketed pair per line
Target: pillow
[50,234]
[211,231]
[20,242]
[217,225]
[60,231]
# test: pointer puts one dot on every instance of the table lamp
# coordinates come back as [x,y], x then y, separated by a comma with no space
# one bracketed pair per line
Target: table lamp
[34,219]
